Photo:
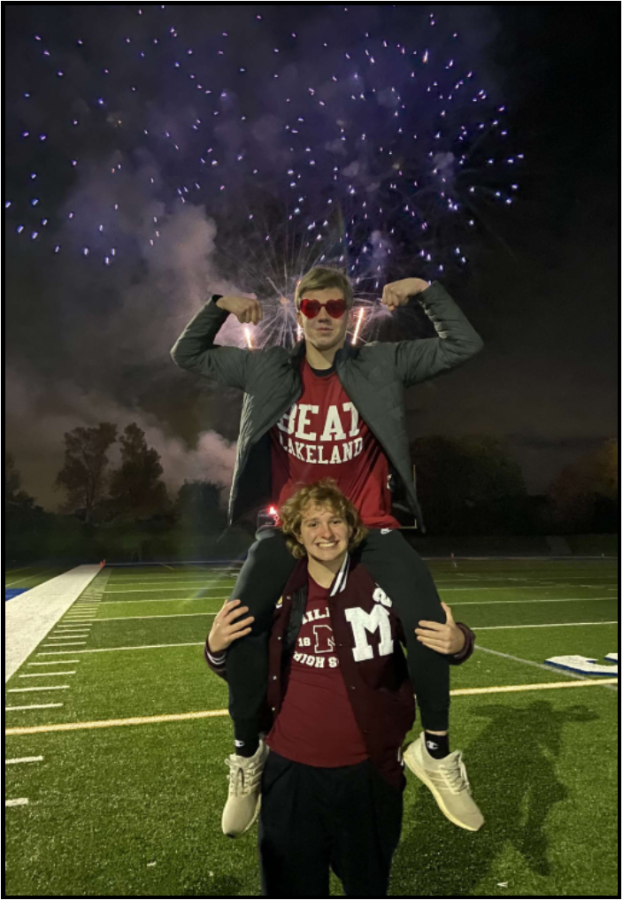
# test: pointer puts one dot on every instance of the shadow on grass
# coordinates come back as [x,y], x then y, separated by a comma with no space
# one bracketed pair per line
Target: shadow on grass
[512,771]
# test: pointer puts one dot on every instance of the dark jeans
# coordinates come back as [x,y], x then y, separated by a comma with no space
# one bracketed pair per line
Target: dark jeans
[394,565]
[347,819]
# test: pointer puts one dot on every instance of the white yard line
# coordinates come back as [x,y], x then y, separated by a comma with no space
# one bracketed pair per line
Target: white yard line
[45,674]
[46,687]
[540,600]
[22,801]
[139,647]
[164,600]
[35,706]
[535,665]
[24,759]
[218,713]
[58,662]
[454,602]
[547,686]
[518,587]
[65,636]
[165,616]
[201,643]
[68,644]
[548,625]
[169,582]
[161,590]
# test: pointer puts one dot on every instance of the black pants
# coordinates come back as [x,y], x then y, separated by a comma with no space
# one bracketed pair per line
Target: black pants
[312,819]
[394,565]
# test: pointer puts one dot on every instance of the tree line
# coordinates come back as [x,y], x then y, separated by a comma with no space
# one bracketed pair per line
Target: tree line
[470,485]
[466,486]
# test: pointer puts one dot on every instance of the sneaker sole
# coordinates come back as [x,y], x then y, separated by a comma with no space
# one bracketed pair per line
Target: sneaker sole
[421,774]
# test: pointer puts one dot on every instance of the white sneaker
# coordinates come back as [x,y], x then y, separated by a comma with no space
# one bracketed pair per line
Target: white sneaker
[447,781]
[243,802]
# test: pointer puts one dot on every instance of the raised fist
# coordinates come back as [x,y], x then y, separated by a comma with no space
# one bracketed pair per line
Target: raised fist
[246,309]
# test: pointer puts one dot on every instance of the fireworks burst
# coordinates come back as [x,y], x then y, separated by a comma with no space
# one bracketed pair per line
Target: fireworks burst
[342,141]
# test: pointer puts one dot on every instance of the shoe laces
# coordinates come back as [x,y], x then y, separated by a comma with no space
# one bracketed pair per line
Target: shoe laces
[242,779]
[452,771]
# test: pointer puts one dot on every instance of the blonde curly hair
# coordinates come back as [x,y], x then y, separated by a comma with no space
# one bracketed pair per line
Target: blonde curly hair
[324,493]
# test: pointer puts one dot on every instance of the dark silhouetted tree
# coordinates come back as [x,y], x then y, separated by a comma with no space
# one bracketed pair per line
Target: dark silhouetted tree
[469,486]
[83,476]
[136,487]
[14,497]
[198,507]
[584,496]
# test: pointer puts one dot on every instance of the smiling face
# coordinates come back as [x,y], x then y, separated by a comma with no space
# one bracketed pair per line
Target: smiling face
[323,332]
[325,534]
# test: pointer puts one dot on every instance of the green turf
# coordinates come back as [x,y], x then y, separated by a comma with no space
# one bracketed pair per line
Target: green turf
[135,810]
[26,577]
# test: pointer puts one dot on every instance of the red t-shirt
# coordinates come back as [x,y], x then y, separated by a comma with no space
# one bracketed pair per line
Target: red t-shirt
[316,725]
[323,436]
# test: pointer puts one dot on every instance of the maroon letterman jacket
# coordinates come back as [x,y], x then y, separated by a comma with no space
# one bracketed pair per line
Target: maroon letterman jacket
[368,637]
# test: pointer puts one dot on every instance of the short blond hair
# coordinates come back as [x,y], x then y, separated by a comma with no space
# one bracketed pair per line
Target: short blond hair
[321,277]
[322,493]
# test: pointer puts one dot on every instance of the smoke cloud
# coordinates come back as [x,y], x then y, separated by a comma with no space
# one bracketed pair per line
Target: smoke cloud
[38,417]
[86,350]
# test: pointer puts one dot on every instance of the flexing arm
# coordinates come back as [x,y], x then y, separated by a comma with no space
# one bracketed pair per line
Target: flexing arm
[456,340]
[196,351]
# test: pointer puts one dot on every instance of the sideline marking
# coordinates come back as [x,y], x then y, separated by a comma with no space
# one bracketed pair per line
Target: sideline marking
[217,713]
[23,801]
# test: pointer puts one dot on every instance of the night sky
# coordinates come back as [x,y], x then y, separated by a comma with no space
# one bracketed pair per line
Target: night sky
[158,153]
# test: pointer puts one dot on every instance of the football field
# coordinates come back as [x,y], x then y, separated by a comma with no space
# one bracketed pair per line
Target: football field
[21,578]
[116,733]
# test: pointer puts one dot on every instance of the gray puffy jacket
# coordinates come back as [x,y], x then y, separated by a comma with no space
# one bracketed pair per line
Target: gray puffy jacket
[373,375]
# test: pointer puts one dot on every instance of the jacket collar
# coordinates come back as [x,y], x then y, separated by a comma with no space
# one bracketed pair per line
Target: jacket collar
[297,353]
[299,577]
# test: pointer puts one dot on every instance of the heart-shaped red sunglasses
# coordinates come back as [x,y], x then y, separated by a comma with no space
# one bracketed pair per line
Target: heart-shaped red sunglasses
[311,308]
